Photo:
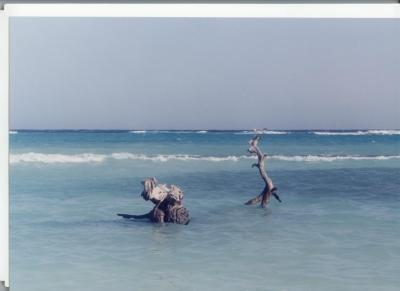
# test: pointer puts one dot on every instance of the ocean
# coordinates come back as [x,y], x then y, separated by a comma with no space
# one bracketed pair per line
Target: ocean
[337,228]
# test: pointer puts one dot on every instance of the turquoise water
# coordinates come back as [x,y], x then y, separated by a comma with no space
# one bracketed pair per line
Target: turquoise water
[337,228]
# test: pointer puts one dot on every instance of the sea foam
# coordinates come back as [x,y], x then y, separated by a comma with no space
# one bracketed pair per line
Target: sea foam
[320,158]
[359,132]
[166,158]
[384,132]
[55,158]
[166,131]
[262,132]
[98,158]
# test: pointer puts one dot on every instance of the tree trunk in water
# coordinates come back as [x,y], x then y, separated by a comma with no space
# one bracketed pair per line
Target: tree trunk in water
[265,195]
[168,202]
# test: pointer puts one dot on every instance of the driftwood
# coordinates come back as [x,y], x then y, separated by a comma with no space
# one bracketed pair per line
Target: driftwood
[168,202]
[269,189]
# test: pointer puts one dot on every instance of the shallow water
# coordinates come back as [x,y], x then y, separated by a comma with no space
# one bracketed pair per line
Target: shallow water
[337,228]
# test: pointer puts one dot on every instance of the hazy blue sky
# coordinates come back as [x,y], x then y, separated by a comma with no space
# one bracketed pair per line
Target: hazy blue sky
[204,73]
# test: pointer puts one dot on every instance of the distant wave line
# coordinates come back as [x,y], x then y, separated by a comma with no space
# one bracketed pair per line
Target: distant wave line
[206,131]
[359,132]
[32,157]
[55,158]
[321,132]
[167,131]
[262,132]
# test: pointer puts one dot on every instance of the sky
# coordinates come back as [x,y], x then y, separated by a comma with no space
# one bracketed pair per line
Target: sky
[152,73]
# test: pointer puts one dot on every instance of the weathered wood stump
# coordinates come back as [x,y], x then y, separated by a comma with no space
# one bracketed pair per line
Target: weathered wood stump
[269,189]
[168,202]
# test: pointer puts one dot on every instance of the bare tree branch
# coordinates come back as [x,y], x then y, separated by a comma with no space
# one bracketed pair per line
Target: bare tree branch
[265,195]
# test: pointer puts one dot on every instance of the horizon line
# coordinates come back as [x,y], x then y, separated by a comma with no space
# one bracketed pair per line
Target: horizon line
[197,129]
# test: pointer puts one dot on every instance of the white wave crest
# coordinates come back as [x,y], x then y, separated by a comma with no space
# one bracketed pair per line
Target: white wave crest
[166,158]
[13,132]
[384,132]
[340,133]
[262,132]
[165,131]
[55,158]
[359,132]
[202,131]
[97,158]
[314,158]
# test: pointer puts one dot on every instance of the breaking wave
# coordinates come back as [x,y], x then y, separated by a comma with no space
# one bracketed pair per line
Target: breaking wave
[166,131]
[13,132]
[262,132]
[98,158]
[55,158]
[359,132]
[166,158]
[384,132]
[315,158]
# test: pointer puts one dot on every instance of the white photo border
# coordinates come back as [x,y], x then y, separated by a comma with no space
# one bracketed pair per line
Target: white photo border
[206,10]
[142,10]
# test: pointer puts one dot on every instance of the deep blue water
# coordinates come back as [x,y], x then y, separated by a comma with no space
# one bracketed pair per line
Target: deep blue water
[337,228]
